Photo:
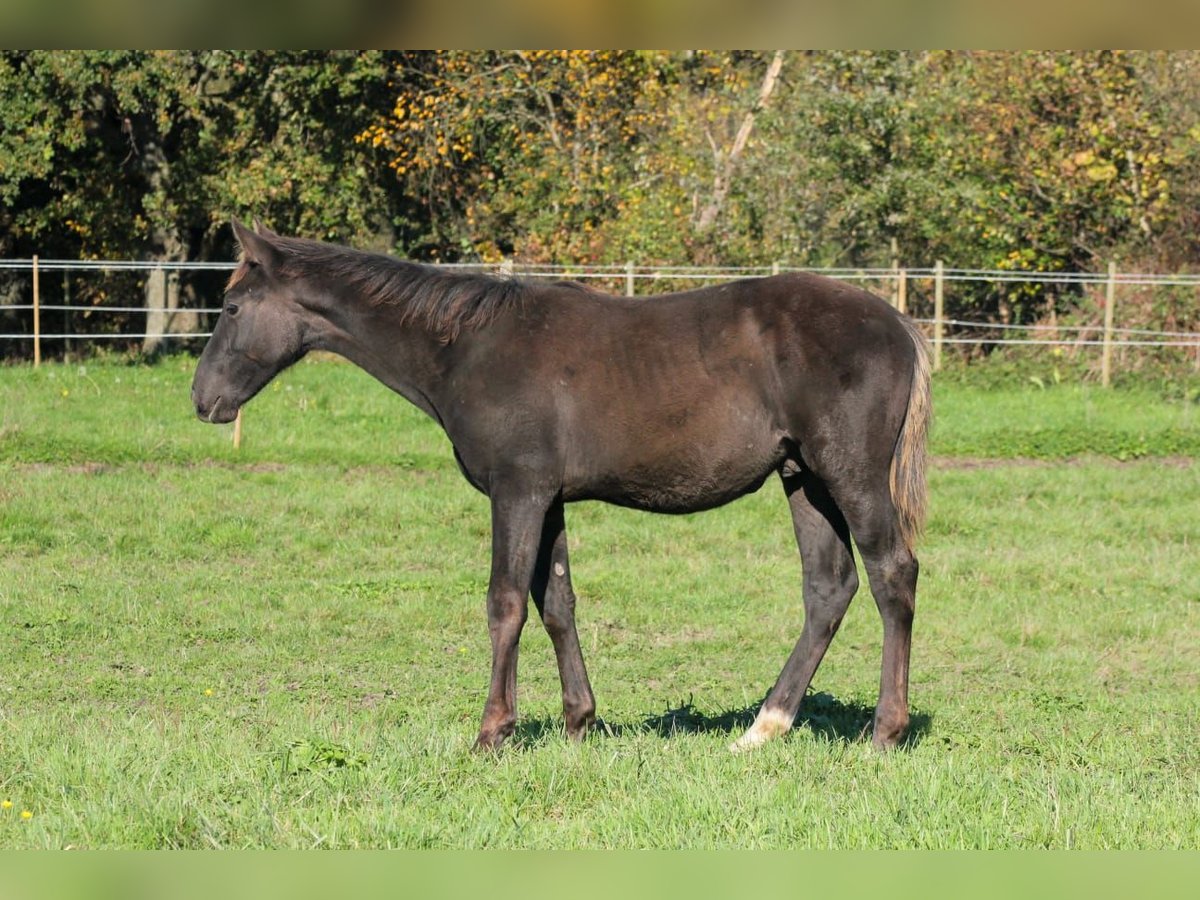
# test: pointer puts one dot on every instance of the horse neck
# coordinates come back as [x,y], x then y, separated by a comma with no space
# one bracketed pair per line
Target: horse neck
[405,356]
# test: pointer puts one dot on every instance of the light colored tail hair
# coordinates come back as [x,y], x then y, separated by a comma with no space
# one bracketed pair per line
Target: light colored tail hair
[907,477]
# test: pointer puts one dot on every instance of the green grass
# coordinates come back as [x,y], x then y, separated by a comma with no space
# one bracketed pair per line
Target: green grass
[1062,422]
[332,413]
[286,647]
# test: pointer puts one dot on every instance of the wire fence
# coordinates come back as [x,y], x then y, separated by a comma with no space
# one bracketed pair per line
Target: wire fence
[102,312]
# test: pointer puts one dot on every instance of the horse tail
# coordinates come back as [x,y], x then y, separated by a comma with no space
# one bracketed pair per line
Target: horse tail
[909,460]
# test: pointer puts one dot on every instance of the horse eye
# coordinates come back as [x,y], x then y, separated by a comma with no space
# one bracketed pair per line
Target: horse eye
[231,308]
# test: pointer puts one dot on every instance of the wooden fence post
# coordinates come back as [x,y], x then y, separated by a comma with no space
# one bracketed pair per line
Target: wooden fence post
[37,317]
[237,431]
[629,279]
[1110,290]
[938,308]
[67,315]
[902,290]
[895,272]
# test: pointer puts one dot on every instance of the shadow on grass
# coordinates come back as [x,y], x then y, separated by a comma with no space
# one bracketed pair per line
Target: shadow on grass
[822,714]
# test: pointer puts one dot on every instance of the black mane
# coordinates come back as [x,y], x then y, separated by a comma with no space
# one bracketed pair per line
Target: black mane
[443,301]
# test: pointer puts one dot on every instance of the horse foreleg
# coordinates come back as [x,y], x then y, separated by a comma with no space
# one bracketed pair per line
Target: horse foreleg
[555,601]
[517,521]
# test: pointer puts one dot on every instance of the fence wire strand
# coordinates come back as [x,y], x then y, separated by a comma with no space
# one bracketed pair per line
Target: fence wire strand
[1128,337]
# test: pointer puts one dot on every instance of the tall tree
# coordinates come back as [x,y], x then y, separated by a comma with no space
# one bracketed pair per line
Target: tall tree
[145,154]
[849,163]
[726,159]
[1069,156]
[1030,160]
[573,155]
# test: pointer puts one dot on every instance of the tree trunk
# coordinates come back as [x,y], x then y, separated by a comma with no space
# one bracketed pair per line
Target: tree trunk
[723,177]
[162,290]
[163,315]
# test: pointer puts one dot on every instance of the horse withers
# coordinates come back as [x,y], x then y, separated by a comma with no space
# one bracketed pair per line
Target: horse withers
[553,392]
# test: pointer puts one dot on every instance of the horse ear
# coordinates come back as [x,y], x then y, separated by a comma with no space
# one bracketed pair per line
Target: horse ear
[256,248]
[262,229]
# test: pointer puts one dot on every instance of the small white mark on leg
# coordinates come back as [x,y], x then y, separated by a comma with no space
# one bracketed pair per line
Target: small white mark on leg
[769,723]
[559,570]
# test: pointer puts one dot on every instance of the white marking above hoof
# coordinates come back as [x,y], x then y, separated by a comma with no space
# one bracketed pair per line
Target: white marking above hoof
[769,723]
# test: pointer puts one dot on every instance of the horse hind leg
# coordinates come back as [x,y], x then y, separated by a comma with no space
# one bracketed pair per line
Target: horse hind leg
[892,574]
[829,583]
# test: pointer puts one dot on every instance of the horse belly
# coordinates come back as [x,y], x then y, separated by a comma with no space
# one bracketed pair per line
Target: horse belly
[678,469]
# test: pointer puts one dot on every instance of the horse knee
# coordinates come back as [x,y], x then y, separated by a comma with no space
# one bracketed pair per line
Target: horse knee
[558,616]
[507,613]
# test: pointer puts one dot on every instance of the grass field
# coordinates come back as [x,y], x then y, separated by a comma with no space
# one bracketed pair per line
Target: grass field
[285,646]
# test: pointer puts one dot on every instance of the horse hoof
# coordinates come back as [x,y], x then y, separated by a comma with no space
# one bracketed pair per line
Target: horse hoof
[768,724]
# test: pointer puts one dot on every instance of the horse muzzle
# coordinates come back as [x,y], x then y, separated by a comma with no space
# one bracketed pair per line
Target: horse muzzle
[218,412]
